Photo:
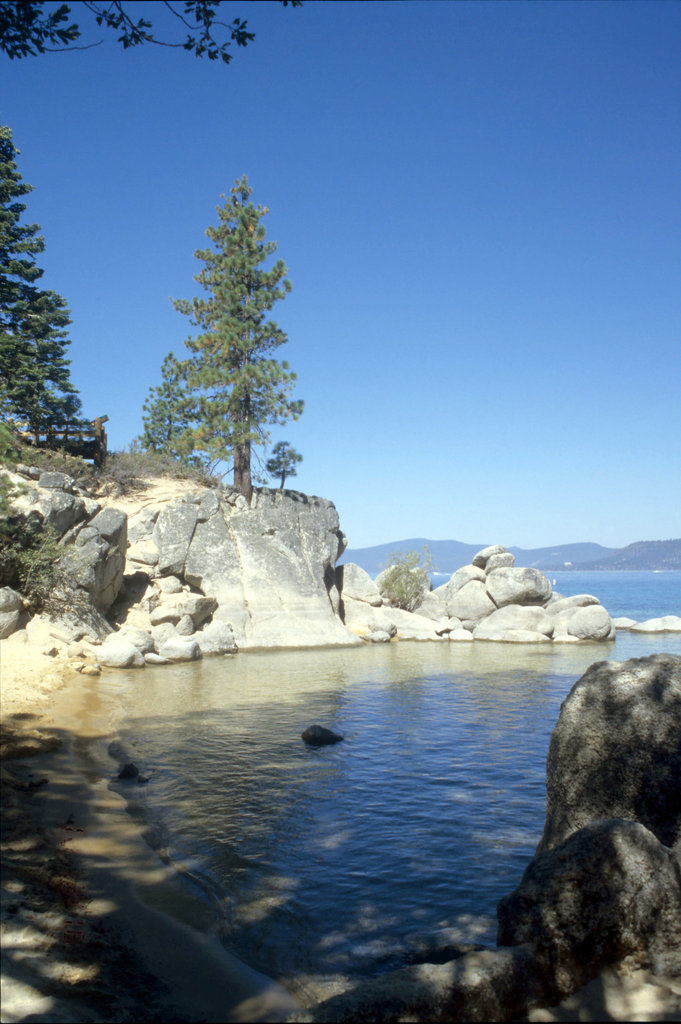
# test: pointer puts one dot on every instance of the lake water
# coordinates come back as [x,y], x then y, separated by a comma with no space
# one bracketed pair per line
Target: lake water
[329,861]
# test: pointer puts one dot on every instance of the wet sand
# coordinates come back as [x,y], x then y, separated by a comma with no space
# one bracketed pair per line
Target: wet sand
[79,941]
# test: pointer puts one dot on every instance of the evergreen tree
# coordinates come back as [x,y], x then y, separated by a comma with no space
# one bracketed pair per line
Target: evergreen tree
[283,462]
[238,387]
[34,373]
[170,414]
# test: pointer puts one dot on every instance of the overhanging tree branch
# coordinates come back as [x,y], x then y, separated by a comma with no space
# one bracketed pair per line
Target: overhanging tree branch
[31,28]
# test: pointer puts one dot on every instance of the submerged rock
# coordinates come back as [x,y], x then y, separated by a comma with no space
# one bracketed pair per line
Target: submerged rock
[319,736]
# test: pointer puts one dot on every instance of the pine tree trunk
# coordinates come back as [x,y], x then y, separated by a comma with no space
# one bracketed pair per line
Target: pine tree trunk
[242,470]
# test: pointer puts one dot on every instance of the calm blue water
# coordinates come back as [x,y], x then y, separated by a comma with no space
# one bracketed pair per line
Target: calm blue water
[328,861]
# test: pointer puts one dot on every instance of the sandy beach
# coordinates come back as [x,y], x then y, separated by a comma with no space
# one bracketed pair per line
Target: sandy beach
[84,933]
[78,940]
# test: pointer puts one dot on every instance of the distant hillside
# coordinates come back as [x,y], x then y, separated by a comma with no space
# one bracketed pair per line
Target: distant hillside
[450,555]
[644,554]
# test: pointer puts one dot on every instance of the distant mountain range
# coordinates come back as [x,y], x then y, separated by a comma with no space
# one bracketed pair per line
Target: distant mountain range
[450,555]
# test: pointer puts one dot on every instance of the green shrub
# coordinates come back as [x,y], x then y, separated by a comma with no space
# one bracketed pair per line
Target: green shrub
[405,579]
[34,564]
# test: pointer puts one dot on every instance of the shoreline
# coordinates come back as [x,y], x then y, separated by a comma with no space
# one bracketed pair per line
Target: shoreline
[83,934]
[77,920]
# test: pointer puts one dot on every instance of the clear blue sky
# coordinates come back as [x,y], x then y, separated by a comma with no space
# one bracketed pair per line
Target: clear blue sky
[480,209]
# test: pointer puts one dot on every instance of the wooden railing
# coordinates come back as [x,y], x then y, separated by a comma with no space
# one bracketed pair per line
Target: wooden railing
[88,442]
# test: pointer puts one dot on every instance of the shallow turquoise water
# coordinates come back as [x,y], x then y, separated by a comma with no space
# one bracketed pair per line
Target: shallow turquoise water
[326,860]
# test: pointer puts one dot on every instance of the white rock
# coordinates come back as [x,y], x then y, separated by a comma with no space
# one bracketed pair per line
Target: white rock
[353,581]
[483,556]
[471,603]
[518,586]
[178,648]
[116,652]
[511,619]
[665,624]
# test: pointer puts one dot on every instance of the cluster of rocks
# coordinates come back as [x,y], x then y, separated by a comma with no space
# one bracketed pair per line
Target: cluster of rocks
[603,889]
[204,573]
[207,573]
[491,599]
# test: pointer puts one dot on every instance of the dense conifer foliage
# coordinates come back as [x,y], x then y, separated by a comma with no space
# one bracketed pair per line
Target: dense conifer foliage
[35,386]
[232,387]
[169,414]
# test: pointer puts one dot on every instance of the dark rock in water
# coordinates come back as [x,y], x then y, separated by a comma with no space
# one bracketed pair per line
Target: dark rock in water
[318,736]
[129,771]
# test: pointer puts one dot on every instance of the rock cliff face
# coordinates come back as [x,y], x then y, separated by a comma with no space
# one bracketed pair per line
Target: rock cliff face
[269,568]
[202,573]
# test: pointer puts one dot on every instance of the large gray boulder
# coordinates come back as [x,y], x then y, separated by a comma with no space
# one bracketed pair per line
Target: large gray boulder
[55,481]
[270,565]
[559,604]
[506,623]
[117,652]
[355,582]
[59,510]
[608,892]
[604,885]
[482,558]
[216,638]
[180,648]
[112,526]
[172,536]
[518,586]
[590,622]
[616,750]
[471,604]
[502,560]
[459,579]
[434,605]
[97,566]
[10,611]
[174,607]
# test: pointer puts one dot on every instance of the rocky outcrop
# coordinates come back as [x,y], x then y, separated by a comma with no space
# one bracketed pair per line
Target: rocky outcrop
[94,540]
[605,883]
[490,600]
[204,573]
[267,570]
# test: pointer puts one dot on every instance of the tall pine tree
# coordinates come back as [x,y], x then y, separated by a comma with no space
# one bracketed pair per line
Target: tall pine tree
[238,387]
[35,386]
